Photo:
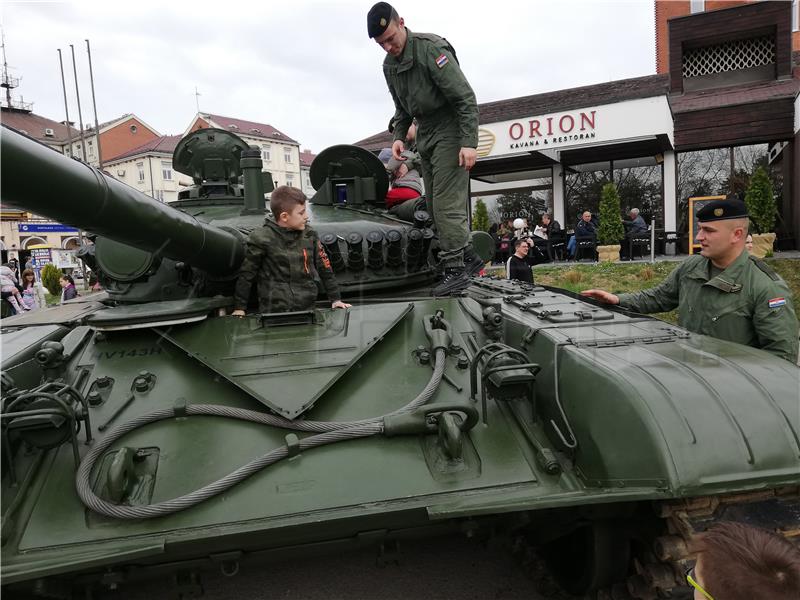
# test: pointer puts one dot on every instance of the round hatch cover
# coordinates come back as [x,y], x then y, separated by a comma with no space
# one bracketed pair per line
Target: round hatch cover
[349,161]
[191,154]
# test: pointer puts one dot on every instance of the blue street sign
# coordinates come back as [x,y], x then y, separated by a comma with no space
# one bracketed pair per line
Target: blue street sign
[45,228]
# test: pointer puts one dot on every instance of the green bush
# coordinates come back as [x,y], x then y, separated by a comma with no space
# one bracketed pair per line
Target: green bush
[480,218]
[610,230]
[50,276]
[760,202]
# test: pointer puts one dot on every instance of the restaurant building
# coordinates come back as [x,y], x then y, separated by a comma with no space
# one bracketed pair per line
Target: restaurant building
[728,102]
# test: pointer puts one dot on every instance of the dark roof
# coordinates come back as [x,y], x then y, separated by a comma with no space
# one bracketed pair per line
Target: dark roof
[306,158]
[251,128]
[164,144]
[735,95]
[551,102]
[34,126]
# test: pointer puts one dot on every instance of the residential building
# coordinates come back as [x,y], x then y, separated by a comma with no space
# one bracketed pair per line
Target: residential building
[117,137]
[123,134]
[148,169]
[58,135]
[306,158]
[279,153]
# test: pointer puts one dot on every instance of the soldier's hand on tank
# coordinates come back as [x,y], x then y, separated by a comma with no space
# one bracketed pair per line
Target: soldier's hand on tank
[602,296]
[398,147]
[467,158]
[340,304]
[237,313]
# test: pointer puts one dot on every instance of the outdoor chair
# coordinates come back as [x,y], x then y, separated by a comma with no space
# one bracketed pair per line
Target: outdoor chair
[557,245]
[640,242]
[585,244]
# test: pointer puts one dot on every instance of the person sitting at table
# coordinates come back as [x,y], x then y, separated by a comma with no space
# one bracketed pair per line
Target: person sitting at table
[635,227]
[586,227]
[550,225]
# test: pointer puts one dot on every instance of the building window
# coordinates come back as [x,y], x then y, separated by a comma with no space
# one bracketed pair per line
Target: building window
[515,195]
[729,56]
[583,185]
[795,15]
[265,156]
[290,180]
[287,155]
[140,168]
[697,6]
[166,170]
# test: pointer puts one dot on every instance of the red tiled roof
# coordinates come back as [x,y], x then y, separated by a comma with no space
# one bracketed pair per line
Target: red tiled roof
[558,101]
[34,126]
[306,158]
[164,144]
[740,94]
[251,128]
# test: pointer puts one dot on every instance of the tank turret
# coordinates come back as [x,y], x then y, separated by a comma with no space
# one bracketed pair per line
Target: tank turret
[146,250]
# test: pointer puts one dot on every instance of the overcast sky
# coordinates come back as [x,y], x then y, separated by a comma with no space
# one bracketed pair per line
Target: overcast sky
[306,67]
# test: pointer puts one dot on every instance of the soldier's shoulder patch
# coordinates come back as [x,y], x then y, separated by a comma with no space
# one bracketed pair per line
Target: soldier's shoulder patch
[762,266]
[776,302]
[442,60]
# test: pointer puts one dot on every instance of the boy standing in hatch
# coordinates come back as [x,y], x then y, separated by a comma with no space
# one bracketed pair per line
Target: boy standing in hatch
[283,257]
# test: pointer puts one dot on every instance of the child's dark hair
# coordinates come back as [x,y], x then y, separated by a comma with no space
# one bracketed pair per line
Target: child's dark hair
[68,278]
[284,199]
[743,562]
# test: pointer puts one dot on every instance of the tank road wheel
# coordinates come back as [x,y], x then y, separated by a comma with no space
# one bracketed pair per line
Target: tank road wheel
[592,557]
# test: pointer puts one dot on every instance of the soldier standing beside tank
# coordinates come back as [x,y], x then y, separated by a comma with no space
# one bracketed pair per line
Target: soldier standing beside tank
[426,83]
[724,292]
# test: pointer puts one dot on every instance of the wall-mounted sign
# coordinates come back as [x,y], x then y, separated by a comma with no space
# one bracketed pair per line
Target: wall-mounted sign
[629,120]
[45,228]
[64,259]
[40,257]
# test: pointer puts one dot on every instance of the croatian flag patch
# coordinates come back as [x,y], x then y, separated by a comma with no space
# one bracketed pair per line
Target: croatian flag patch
[776,302]
[441,61]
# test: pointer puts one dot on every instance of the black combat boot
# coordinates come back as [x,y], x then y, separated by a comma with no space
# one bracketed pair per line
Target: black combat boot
[455,280]
[472,262]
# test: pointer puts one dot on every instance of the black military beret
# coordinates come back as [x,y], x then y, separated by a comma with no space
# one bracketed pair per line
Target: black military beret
[720,210]
[378,18]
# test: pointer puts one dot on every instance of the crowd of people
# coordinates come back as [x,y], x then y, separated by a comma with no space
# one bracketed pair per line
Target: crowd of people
[547,240]
[23,293]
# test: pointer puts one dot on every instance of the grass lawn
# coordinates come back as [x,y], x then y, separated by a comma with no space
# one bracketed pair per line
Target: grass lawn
[632,277]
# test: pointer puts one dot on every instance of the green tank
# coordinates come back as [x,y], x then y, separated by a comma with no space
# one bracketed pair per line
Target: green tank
[146,433]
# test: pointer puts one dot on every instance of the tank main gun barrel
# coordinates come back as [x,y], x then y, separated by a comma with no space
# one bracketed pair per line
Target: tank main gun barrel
[40,180]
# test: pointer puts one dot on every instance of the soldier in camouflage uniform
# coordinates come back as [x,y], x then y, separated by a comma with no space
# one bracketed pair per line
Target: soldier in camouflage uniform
[426,83]
[285,257]
[723,292]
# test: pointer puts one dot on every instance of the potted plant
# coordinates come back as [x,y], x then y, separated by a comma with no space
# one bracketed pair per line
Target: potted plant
[761,205]
[610,231]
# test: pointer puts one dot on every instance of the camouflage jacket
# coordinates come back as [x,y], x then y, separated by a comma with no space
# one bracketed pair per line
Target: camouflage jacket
[426,82]
[286,264]
[747,303]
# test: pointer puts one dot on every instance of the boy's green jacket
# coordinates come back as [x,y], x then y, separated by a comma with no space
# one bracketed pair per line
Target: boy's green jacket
[285,264]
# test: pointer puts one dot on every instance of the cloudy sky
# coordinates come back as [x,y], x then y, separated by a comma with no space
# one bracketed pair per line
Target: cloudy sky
[306,67]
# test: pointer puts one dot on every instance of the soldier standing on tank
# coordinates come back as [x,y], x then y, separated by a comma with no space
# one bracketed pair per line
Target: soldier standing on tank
[723,292]
[426,83]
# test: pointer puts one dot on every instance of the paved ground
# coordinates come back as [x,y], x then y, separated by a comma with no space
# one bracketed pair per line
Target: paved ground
[442,568]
